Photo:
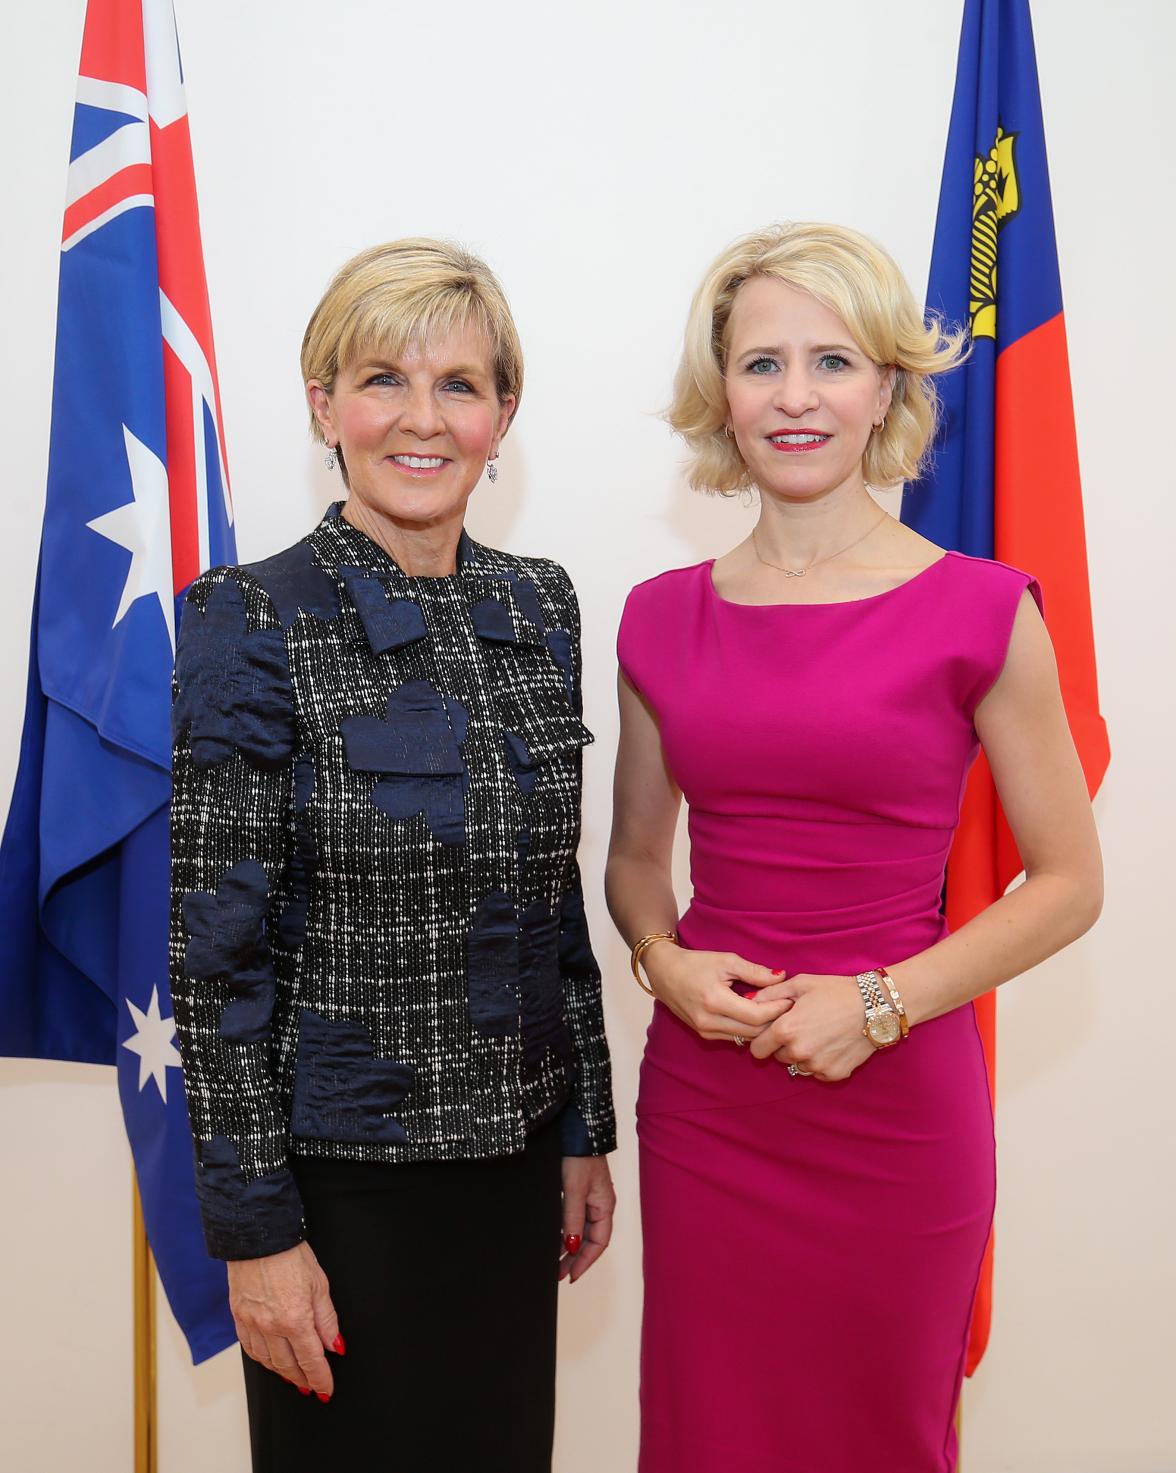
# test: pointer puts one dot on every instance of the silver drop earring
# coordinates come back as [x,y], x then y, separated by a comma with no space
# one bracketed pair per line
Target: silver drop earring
[331,459]
[492,471]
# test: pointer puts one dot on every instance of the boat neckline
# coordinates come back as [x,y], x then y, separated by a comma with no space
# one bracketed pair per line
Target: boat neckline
[840,603]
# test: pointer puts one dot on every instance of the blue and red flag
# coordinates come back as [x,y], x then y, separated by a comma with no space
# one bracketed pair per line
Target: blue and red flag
[137,506]
[1005,481]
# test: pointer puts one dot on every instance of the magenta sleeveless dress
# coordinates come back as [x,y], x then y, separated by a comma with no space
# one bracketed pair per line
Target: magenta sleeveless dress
[811,1251]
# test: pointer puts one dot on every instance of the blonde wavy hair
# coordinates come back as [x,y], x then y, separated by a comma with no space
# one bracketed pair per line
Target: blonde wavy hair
[861,283]
[409,291]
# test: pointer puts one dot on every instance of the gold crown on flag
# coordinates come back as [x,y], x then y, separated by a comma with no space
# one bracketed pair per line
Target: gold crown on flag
[996,198]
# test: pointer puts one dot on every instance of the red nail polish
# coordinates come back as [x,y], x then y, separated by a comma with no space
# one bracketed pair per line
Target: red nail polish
[778,972]
[338,1345]
[572,1242]
[304,1391]
[321,1397]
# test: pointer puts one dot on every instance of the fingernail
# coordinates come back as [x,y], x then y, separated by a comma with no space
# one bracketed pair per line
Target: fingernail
[572,1242]
[338,1345]
[321,1397]
[304,1391]
[777,971]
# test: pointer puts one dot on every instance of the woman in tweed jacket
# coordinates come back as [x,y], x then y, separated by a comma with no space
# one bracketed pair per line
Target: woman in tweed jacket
[388,1009]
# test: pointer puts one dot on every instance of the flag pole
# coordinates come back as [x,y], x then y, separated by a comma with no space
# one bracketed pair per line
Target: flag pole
[143,1274]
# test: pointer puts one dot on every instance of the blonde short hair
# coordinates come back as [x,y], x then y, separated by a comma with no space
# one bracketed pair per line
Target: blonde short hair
[409,291]
[861,283]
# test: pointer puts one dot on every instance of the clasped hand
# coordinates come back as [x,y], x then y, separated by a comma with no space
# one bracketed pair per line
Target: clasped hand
[810,1020]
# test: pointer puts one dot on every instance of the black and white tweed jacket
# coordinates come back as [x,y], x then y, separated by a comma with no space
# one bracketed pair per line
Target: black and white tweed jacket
[378,944]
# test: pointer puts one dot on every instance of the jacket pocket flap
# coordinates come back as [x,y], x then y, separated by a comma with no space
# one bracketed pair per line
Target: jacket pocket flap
[537,738]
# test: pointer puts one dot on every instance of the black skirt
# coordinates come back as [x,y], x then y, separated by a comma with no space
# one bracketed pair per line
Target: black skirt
[444,1276]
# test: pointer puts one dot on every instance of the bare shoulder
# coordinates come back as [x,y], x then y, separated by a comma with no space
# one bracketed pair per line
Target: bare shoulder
[729,565]
[904,550]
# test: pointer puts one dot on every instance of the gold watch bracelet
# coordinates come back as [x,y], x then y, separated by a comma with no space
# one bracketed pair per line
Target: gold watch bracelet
[895,998]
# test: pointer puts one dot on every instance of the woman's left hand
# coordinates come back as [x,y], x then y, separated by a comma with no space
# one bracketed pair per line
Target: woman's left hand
[822,1032]
[588,1204]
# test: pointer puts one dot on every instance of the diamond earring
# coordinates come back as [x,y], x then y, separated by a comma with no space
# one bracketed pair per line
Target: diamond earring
[492,471]
[331,459]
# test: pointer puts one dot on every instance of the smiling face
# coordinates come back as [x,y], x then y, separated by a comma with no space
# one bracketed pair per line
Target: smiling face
[802,396]
[416,428]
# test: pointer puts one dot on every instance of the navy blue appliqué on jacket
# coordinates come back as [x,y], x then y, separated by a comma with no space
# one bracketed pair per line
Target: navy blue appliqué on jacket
[378,949]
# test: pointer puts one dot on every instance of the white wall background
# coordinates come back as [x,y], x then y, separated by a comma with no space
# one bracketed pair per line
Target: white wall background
[599,155]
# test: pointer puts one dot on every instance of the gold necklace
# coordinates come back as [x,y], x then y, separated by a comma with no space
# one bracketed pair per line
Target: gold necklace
[828,558]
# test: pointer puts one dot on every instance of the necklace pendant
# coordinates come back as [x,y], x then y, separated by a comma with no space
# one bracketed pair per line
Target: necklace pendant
[794,572]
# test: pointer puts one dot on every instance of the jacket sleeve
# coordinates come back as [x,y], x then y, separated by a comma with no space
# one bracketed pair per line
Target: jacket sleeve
[587,1123]
[232,797]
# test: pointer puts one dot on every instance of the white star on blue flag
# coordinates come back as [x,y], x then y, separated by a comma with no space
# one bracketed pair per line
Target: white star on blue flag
[152,1041]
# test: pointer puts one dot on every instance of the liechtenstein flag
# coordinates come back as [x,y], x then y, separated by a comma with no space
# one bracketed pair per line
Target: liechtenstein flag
[1005,482]
[137,506]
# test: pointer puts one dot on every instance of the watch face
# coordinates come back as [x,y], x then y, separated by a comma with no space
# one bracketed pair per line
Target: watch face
[884,1028]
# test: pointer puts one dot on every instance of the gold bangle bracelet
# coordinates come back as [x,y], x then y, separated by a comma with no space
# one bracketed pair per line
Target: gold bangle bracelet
[638,952]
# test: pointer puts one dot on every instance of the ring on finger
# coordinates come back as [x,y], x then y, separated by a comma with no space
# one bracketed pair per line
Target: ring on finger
[738,1042]
[798,1073]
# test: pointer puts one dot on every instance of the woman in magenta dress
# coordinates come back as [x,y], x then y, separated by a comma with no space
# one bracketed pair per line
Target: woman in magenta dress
[817,1164]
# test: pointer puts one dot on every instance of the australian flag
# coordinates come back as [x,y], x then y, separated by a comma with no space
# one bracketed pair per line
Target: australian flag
[137,506]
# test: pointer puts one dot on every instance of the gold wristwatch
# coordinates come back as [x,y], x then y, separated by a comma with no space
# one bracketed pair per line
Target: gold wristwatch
[883,1025]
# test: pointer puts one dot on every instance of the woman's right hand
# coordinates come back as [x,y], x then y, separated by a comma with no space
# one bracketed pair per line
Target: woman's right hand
[285,1320]
[698,987]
